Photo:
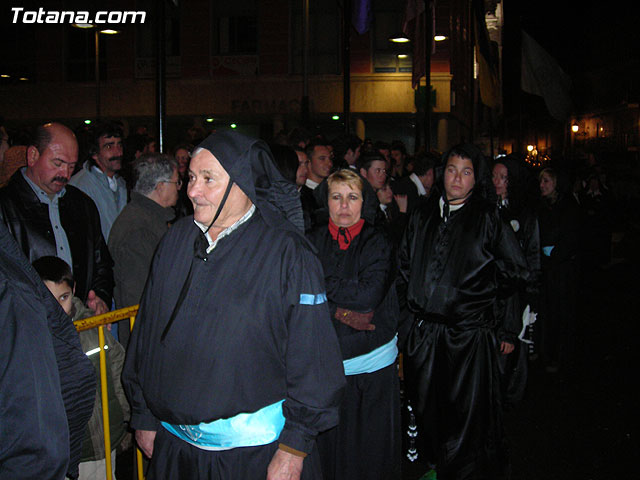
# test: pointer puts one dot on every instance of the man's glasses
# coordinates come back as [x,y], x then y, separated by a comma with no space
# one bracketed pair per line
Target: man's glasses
[178,183]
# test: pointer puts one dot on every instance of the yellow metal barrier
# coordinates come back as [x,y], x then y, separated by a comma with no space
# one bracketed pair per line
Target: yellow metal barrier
[99,321]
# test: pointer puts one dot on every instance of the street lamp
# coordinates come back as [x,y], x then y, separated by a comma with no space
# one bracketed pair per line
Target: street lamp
[105,31]
[400,38]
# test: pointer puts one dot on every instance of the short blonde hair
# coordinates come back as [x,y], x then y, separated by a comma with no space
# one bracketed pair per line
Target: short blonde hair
[348,176]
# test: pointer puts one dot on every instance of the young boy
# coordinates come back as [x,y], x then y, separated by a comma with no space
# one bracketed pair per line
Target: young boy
[56,275]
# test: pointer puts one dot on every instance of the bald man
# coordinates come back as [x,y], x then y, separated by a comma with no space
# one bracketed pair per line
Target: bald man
[49,217]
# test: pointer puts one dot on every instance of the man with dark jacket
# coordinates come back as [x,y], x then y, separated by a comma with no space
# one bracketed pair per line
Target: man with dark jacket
[48,217]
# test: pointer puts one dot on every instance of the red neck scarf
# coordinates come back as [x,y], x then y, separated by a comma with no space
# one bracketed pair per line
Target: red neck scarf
[345,235]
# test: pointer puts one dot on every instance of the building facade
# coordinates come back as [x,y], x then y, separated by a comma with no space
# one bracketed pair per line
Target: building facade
[242,63]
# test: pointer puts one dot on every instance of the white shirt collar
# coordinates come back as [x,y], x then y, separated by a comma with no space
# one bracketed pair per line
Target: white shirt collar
[452,208]
[226,231]
[311,184]
[113,182]
[421,190]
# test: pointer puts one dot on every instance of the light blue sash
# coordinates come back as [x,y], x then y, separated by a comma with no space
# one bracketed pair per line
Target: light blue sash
[243,430]
[373,361]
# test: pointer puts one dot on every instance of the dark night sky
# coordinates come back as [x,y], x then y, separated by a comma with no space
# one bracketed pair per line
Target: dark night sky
[597,44]
[583,35]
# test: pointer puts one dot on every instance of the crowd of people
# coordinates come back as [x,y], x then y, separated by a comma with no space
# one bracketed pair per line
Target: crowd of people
[279,286]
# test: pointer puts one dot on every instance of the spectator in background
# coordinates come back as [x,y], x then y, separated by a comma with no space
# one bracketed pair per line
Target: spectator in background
[417,186]
[182,155]
[394,209]
[320,165]
[384,149]
[346,151]
[303,167]
[299,137]
[372,168]
[14,159]
[99,177]
[399,158]
[4,141]
[49,217]
[139,228]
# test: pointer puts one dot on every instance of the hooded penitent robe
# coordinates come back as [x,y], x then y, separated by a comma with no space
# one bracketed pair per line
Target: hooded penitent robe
[245,335]
[452,273]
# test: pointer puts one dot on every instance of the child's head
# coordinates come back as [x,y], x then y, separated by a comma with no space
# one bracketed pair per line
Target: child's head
[56,275]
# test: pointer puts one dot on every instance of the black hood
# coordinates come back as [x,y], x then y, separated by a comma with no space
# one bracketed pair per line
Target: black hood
[483,186]
[250,165]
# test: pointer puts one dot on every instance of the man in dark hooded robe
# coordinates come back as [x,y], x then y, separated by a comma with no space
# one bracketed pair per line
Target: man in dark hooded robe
[457,259]
[233,366]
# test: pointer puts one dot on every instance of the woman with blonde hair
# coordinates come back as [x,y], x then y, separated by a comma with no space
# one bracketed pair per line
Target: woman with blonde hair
[357,260]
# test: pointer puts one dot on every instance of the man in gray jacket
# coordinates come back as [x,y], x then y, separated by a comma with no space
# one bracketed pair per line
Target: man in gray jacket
[140,226]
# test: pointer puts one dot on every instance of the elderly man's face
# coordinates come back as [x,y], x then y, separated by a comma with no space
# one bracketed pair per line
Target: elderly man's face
[52,168]
[168,191]
[207,184]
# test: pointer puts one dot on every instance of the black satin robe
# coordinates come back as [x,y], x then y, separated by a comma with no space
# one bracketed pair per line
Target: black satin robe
[515,366]
[453,273]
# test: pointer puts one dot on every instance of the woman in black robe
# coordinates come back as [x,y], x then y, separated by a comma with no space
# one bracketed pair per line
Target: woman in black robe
[357,262]
[559,217]
[510,182]
[456,260]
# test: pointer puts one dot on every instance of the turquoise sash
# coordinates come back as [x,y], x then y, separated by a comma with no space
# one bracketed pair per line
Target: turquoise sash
[373,361]
[243,430]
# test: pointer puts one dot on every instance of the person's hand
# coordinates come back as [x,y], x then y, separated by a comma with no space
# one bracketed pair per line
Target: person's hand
[402,202]
[356,320]
[284,466]
[96,304]
[506,348]
[145,440]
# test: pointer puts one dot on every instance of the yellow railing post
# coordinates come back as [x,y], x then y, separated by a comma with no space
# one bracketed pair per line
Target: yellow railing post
[139,463]
[105,402]
[99,321]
